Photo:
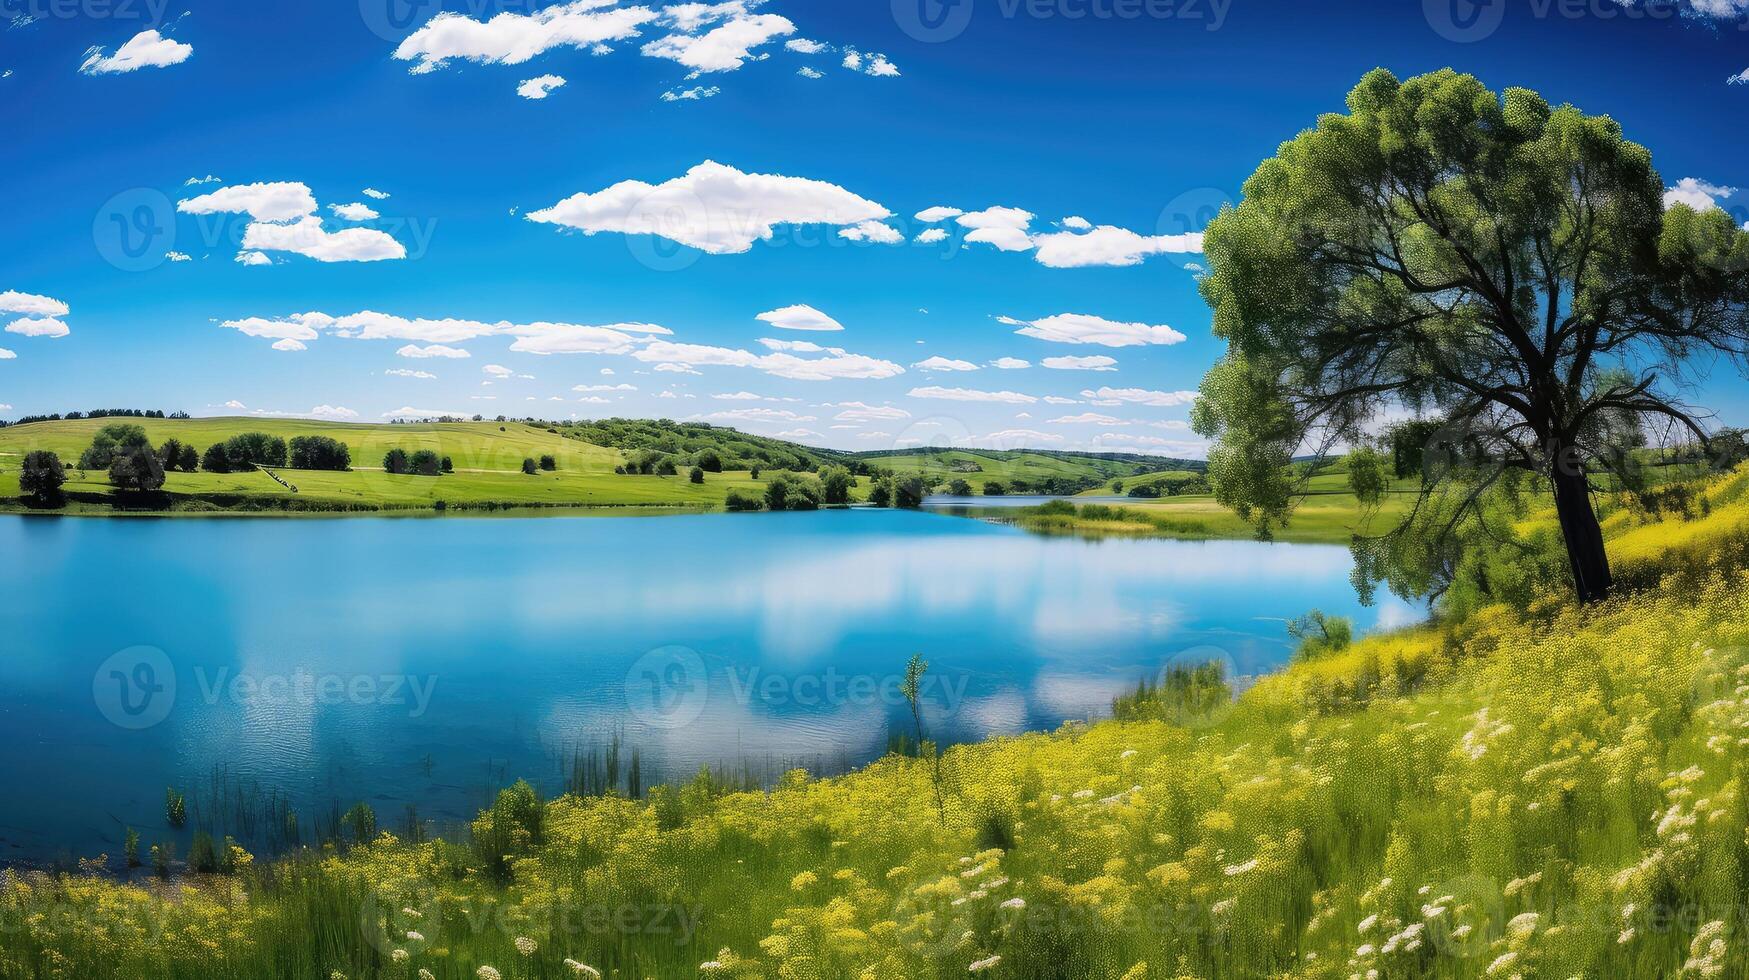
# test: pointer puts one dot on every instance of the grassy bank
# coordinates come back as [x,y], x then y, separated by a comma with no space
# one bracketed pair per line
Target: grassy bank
[1322,518]
[1543,792]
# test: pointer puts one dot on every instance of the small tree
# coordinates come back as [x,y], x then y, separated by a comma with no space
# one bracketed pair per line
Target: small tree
[696,474]
[189,459]
[835,484]
[529,468]
[994,489]
[709,461]
[214,460]
[736,501]
[425,463]
[41,476]
[548,463]
[909,493]
[108,441]
[448,465]
[396,461]
[960,488]
[136,469]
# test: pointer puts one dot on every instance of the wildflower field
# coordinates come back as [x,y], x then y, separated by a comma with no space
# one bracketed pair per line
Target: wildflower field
[1551,791]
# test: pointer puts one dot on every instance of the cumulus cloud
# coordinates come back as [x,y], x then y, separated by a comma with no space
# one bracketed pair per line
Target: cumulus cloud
[802,45]
[37,327]
[573,338]
[972,395]
[1142,396]
[175,256]
[307,237]
[408,412]
[1108,245]
[252,258]
[939,363]
[1010,363]
[374,194]
[410,373]
[1696,193]
[539,86]
[929,236]
[1080,328]
[6,355]
[723,48]
[12,301]
[807,72]
[1002,227]
[860,412]
[1088,418]
[590,388]
[264,201]
[834,363]
[799,317]
[1097,362]
[713,207]
[872,231]
[758,415]
[693,94]
[432,350]
[147,49]
[512,38]
[932,215]
[1014,438]
[354,212]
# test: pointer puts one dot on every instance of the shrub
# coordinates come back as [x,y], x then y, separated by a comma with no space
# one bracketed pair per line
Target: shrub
[251,449]
[994,489]
[696,474]
[425,463]
[136,469]
[909,493]
[108,441]
[448,465]
[396,461]
[548,463]
[835,484]
[214,459]
[709,461]
[319,453]
[960,488]
[737,501]
[529,467]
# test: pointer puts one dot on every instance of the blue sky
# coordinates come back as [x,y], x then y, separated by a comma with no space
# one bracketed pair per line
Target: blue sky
[509,229]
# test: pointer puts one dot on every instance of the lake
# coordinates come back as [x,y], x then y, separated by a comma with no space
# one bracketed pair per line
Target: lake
[402,661]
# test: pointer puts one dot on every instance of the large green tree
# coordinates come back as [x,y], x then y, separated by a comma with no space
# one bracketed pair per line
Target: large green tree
[1501,265]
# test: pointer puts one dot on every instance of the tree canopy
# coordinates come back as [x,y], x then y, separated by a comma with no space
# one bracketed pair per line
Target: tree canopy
[1504,267]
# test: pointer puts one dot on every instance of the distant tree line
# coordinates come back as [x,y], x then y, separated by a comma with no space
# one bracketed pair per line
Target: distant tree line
[420,462]
[98,413]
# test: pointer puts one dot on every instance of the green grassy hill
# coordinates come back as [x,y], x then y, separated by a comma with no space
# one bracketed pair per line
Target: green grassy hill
[1032,467]
[487,457]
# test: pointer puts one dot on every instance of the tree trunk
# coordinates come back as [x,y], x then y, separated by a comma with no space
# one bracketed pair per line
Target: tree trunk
[1580,530]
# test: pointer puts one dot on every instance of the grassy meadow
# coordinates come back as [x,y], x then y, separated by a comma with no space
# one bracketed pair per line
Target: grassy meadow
[1548,791]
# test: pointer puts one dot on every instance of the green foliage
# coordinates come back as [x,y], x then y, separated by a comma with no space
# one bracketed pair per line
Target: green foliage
[319,453]
[248,450]
[529,468]
[737,501]
[695,475]
[214,459]
[1186,694]
[397,461]
[959,488]
[130,848]
[362,821]
[788,491]
[41,475]
[1320,634]
[548,462]
[136,470]
[835,484]
[108,441]
[175,807]
[425,462]
[1369,475]
[909,491]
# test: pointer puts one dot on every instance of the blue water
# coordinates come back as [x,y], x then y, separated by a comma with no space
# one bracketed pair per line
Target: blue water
[426,661]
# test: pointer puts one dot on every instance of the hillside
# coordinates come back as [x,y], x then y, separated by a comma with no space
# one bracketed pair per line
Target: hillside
[1035,470]
[487,459]
[1555,791]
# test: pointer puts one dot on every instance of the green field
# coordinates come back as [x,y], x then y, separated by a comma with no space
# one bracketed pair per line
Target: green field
[978,467]
[487,456]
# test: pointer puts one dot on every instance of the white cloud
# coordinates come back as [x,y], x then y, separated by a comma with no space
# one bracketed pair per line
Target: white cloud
[432,350]
[929,236]
[1127,440]
[1077,222]
[252,258]
[802,45]
[836,364]
[1108,245]
[872,231]
[932,215]
[539,86]
[175,256]
[1059,400]
[265,201]
[693,94]
[511,38]
[1002,227]
[37,327]
[307,237]
[1741,78]
[758,415]
[1088,418]
[739,396]
[354,212]
[289,344]
[497,371]
[795,346]
[333,412]
[6,355]
[939,363]
[410,373]
[713,207]
[594,400]
[1013,438]
[374,194]
[572,338]
[1010,363]
[1142,396]
[972,395]
[799,317]
[589,388]
[197,181]
[869,64]
[1697,194]
[799,434]
[807,72]
[147,49]
[407,412]
[1080,328]
[12,301]
[723,48]
[234,403]
[676,369]
[860,412]
[1098,362]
